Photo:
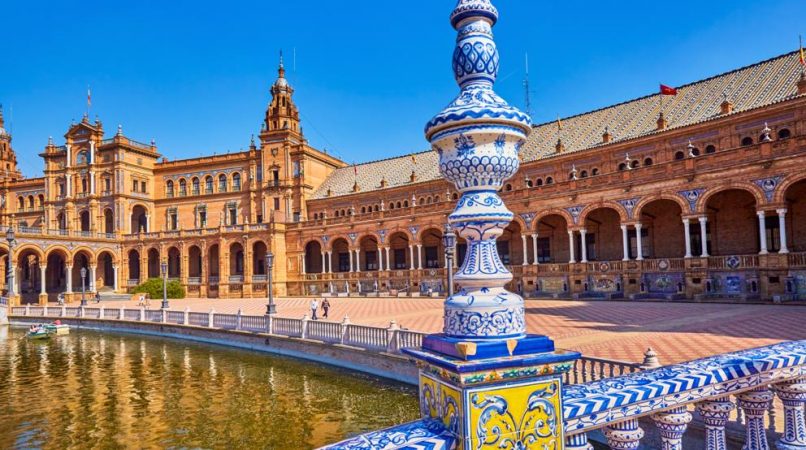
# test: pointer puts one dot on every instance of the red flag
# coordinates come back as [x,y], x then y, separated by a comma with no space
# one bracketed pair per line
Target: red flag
[666,90]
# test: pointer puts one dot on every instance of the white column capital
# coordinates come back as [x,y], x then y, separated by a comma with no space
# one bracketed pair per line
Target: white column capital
[761,214]
[686,221]
[703,219]
[781,211]
[639,225]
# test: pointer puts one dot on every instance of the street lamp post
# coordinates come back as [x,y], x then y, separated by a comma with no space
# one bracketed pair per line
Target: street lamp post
[449,242]
[83,284]
[270,308]
[10,269]
[164,267]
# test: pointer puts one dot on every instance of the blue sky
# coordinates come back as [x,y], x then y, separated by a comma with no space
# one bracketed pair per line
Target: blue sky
[195,76]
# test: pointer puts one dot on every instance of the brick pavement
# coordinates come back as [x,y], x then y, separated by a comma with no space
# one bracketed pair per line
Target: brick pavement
[618,330]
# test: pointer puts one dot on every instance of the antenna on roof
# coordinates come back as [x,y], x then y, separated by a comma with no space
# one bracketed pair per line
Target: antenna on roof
[527,91]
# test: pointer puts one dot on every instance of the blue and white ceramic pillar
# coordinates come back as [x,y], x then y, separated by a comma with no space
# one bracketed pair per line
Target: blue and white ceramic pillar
[489,382]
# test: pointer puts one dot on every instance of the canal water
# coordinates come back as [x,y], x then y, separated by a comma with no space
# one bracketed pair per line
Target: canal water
[100,390]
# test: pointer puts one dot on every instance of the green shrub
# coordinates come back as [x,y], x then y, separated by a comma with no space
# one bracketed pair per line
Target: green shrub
[153,287]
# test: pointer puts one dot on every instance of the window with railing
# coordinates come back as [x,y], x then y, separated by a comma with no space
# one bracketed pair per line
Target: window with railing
[222,183]
[236,182]
[169,189]
[183,188]
[195,186]
[208,185]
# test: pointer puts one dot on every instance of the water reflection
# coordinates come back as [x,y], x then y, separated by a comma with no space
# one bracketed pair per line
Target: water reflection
[88,390]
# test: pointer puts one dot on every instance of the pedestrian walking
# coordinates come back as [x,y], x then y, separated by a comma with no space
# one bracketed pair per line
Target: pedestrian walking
[325,308]
[314,307]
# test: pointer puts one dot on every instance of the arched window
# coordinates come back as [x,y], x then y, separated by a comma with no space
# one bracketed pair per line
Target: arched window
[679,155]
[183,188]
[571,176]
[549,180]
[421,201]
[747,141]
[208,185]
[377,208]
[21,204]
[222,183]
[539,182]
[41,201]
[784,133]
[455,196]
[529,183]
[634,163]
[648,161]
[594,172]
[584,174]
[391,205]
[405,203]
[84,186]
[710,149]
[622,167]
[195,186]
[31,201]
[694,151]
[508,187]
[399,205]
[236,182]
[436,199]
[81,158]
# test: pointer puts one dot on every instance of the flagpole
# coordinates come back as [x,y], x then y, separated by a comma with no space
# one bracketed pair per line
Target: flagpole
[661,102]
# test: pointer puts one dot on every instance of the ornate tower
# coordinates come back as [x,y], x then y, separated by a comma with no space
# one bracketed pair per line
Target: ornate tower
[8,159]
[487,380]
[282,115]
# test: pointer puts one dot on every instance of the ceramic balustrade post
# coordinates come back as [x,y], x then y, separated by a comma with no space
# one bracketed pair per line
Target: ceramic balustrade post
[122,313]
[210,318]
[45,310]
[715,414]
[578,442]
[186,316]
[163,315]
[238,319]
[27,310]
[755,404]
[672,425]
[64,311]
[345,325]
[793,395]
[269,324]
[142,317]
[624,435]
[304,331]
[392,337]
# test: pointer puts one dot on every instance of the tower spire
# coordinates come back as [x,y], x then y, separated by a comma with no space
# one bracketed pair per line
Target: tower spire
[281,67]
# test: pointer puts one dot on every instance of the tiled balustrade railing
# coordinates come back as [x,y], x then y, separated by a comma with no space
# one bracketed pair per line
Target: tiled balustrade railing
[670,396]
[390,339]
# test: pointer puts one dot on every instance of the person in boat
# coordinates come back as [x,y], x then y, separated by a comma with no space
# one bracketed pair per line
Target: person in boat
[57,322]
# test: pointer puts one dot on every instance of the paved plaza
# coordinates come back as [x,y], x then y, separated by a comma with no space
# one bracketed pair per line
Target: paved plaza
[617,330]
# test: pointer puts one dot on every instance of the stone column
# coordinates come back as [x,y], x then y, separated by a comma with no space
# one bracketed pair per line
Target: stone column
[525,251]
[704,235]
[583,234]
[388,265]
[380,259]
[793,395]
[324,267]
[687,235]
[411,256]
[624,435]
[715,414]
[571,252]
[42,270]
[639,242]
[69,275]
[534,250]
[91,284]
[624,243]
[115,277]
[671,426]
[762,232]
[358,260]
[304,271]
[755,404]
[420,256]
[350,254]
[782,229]
[329,262]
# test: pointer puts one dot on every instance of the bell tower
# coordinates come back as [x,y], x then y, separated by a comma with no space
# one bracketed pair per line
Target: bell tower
[8,159]
[282,115]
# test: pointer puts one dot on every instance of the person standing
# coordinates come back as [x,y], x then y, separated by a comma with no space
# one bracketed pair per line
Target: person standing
[325,308]
[314,307]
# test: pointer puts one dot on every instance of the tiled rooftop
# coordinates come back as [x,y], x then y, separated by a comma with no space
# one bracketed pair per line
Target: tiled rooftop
[747,88]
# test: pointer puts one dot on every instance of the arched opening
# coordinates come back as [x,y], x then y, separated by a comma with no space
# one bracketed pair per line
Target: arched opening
[603,239]
[784,133]
[28,276]
[82,260]
[679,155]
[259,251]
[222,183]
[664,234]
[134,267]
[105,273]
[139,220]
[552,239]
[85,221]
[61,221]
[399,251]
[169,188]
[195,186]
[109,221]
[213,265]
[732,223]
[174,263]
[153,263]
[55,275]
[313,257]
[369,253]
[236,181]
[747,141]
[183,188]
[236,262]
[433,251]
[710,149]
[510,245]
[208,184]
[340,259]
[795,197]
[194,262]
